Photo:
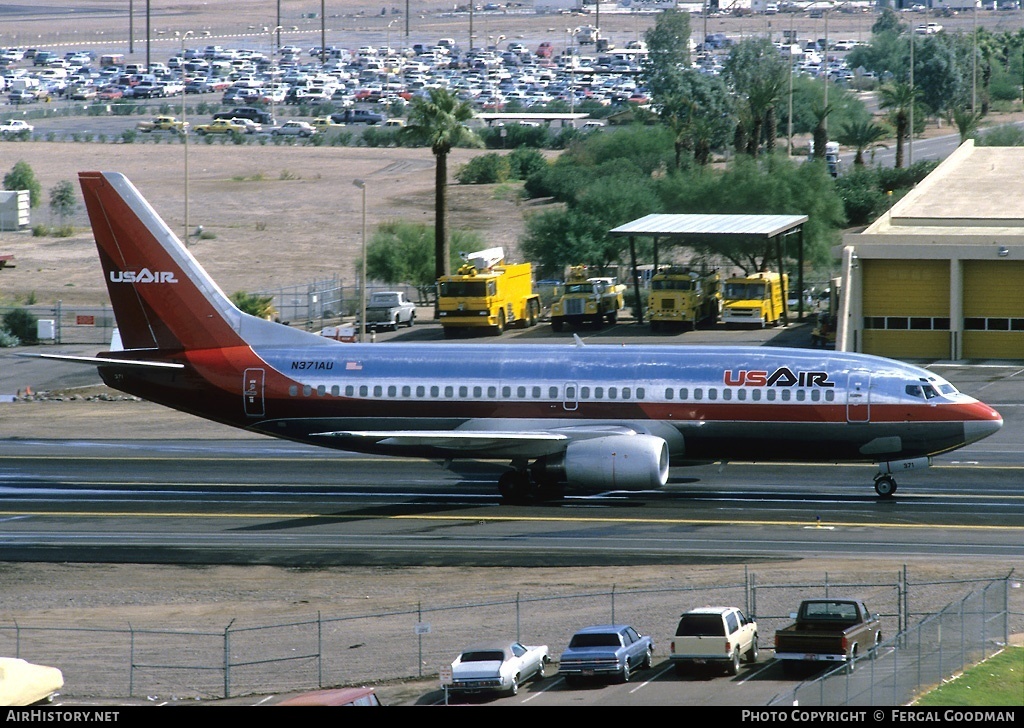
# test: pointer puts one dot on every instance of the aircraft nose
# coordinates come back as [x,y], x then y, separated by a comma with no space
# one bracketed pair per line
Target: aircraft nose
[975,430]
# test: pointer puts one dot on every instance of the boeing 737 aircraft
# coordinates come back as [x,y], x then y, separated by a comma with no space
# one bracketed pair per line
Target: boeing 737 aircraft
[597,417]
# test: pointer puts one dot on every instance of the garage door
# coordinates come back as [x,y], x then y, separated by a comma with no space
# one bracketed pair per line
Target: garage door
[993,309]
[906,308]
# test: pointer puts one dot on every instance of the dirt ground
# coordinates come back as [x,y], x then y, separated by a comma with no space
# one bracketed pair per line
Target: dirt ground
[280,215]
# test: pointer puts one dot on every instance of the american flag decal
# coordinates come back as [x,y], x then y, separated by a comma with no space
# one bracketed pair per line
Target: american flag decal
[352,366]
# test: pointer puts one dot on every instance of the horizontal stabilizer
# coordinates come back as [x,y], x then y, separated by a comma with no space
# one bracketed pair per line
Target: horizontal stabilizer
[103,360]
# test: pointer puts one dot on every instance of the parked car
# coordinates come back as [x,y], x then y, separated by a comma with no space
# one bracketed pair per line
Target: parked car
[16,126]
[295,128]
[220,126]
[498,667]
[246,112]
[23,683]
[162,123]
[606,650]
[251,127]
[714,636]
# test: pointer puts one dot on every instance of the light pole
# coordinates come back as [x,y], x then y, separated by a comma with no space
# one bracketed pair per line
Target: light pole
[361,184]
[184,131]
[274,60]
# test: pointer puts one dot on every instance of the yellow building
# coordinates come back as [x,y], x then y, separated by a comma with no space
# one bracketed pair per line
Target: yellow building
[940,275]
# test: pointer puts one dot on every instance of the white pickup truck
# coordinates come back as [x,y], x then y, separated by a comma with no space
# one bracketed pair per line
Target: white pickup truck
[714,636]
[389,310]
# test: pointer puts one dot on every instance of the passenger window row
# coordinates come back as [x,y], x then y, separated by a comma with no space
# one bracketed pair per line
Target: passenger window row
[586,393]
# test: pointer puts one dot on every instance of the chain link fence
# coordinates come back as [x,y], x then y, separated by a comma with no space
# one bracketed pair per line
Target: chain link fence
[963,633]
[236,659]
[309,306]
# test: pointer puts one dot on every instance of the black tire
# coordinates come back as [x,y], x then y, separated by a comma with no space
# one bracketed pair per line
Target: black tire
[885,486]
[499,329]
[513,689]
[753,653]
[648,659]
[733,667]
[626,673]
[556,325]
[411,321]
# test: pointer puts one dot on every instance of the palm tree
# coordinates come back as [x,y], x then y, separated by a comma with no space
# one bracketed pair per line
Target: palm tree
[899,96]
[438,122]
[966,120]
[861,135]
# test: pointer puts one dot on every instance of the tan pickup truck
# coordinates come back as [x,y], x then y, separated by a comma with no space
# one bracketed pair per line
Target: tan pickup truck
[162,123]
[714,636]
[831,631]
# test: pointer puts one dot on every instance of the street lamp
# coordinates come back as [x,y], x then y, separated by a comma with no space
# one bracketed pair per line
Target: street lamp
[361,184]
[184,130]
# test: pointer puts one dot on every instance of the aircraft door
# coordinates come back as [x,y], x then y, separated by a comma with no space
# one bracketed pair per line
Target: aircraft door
[570,396]
[858,397]
[252,391]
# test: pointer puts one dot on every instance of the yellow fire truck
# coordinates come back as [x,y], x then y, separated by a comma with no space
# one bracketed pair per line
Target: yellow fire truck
[487,293]
[758,299]
[587,299]
[682,297]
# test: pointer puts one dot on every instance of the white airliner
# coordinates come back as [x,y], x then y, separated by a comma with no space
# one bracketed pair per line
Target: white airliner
[595,417]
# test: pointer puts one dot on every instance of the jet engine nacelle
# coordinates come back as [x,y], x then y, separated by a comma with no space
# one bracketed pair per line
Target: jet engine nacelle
[623,462]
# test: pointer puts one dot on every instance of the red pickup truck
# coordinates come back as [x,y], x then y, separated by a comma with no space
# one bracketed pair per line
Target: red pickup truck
[828,630]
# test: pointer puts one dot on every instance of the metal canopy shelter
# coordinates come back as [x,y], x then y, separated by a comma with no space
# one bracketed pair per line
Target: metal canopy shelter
[683,229]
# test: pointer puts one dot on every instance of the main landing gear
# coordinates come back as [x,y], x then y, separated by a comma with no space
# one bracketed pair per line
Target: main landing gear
[885,485]
[517,487]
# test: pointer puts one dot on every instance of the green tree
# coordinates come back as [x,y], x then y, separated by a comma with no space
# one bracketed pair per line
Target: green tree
[403,252]
[21,177]
[62,199]
[760,186]
[966,121]
[699,115]
[254,304]
[668,54]
[898,96]
[438,121]
[861,135]
[754,70]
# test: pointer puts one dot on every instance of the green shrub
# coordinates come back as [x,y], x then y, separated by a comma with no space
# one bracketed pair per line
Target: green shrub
[40,231]
[485,169]
[376,136]
[524,162]
[22,324]
[8,339]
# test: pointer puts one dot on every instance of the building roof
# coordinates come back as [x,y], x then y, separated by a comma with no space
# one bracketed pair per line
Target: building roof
[968,207]
[697,226]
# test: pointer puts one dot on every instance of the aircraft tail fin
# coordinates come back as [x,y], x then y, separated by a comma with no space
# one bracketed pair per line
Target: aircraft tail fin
[162,297]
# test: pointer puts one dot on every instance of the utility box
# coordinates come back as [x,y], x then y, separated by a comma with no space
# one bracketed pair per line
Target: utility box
[46,329]
[14,210]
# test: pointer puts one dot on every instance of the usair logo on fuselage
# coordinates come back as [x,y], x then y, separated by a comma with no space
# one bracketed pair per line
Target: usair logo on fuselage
[781,377]
[142,276]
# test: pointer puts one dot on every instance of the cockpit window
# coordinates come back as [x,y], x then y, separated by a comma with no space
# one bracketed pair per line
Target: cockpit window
[924,391]
[947,389]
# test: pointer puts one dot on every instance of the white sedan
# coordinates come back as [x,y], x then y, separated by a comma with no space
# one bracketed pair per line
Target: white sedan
[16,126]
[498,667]
[295,128]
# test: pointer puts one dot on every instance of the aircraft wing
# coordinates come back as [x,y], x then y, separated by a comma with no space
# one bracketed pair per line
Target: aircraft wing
[482,442]
[103,360]
[449,439]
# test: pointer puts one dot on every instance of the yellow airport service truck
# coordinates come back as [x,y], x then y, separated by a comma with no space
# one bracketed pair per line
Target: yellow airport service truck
[587,299]
[487,293]
[758,299]
[683,297]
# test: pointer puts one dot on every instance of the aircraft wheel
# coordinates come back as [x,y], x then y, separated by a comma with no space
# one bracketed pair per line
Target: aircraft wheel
[515,487]
[885,486]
